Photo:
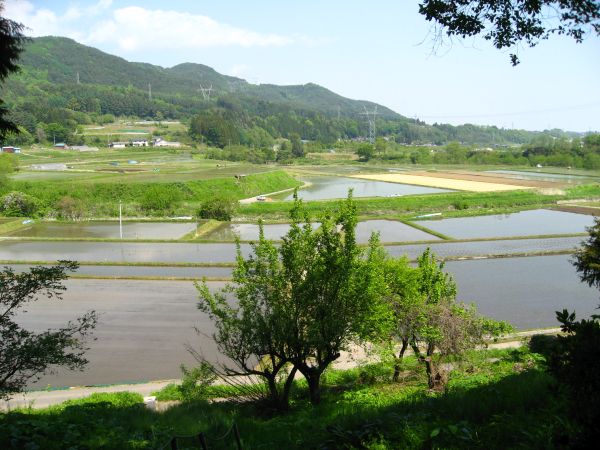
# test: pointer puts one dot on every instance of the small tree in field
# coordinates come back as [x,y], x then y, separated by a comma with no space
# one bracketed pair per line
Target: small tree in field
[300,304]
[428,318]
[219,208]
[24,354]
[334,291]
[405,304]
[250,333]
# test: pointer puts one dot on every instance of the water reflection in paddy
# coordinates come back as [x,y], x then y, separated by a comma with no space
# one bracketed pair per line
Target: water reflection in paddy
[389,231]
[524,291]
[145,325]
[156,252]
[542,176]
[524,223]
[131,230]
[324,187]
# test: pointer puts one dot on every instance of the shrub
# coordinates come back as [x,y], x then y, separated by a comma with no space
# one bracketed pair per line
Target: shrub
[577,365]
[195,381]
[160,198]
[219,208]
[69,208]
[18,204]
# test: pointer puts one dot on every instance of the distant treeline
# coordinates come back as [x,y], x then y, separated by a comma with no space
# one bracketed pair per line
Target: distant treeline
[543,150]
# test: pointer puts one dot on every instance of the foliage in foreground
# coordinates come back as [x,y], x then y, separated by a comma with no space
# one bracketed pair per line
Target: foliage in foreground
[25,354]
[495,400]
[299,304]
[575,359]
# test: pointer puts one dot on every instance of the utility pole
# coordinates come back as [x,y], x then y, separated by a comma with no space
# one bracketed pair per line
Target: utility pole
[149,91]
[370,115]
[78,78]
[120,220]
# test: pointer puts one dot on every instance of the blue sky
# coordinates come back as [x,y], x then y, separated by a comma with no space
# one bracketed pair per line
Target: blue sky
[380,50]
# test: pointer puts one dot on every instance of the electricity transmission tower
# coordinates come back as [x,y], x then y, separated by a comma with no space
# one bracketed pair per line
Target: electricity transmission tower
[206,92]
[370,115]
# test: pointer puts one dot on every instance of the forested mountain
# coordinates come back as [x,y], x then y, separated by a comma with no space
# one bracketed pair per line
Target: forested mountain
[63,83]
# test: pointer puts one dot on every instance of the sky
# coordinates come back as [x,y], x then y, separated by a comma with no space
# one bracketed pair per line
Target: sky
[378,50]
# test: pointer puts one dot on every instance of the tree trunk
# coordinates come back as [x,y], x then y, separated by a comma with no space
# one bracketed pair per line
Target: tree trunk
[274,398]
[397,365]
[430,372]
[314,390]
[285,394]
[279,397]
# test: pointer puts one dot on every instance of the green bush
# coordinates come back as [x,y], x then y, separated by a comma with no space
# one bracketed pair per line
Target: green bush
[195,381]
[159,198]
[576,364]
[70,208]
[18,204]
[218,208]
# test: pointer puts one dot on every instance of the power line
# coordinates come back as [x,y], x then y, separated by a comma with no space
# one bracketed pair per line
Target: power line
[371,119]
[205,91]
[518,113]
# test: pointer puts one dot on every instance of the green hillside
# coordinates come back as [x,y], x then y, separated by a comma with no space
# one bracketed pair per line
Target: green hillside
[64,84]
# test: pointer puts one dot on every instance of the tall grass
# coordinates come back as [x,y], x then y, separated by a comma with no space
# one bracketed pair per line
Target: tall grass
[496,399]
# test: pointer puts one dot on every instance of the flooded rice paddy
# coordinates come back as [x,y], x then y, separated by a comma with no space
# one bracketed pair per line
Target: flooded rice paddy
[543,176]
[131,230]
[157,272]
[524,223]
[329,187]
[176,252]
[389,231]
[145,325]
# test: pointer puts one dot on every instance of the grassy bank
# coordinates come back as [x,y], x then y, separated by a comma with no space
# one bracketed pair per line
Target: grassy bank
[455,204]
[497,399]
[146,198]
[11,225]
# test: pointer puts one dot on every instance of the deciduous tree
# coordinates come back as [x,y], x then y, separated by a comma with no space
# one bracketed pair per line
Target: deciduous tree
[11,46]
[301,303]
[429,319]
[510,23]
[24,354]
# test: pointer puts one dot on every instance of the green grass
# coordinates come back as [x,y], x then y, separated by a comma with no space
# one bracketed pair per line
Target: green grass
[11,224]
[100,199]
[455,204]
[496,399]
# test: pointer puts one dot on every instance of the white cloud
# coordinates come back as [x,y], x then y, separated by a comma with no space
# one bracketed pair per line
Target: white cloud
[136,28]
[45,22]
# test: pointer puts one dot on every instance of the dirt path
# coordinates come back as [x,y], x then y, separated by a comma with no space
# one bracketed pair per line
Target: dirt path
[246,201]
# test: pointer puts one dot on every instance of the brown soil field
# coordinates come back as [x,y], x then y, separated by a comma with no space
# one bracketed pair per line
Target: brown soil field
[438,180]
[486,178]
[587,210]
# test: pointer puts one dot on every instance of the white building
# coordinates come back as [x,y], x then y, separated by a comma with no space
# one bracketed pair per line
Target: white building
[160,142]
[140,143]
[117,145]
